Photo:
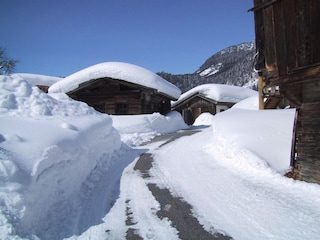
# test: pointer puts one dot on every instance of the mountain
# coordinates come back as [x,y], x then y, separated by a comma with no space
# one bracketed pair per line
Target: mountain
[233,66]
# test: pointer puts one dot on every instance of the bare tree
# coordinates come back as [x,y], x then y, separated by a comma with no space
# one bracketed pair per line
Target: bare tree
[7,65]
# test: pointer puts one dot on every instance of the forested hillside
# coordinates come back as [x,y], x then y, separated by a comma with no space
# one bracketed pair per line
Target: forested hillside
[233,66]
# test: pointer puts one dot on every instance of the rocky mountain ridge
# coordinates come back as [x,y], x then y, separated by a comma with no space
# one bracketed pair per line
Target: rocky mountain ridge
[233,66]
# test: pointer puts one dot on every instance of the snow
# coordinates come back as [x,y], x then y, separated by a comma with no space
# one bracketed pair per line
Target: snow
[211,70]
[243,46]
[250,103]
[277,131]
[67,171]
[205,119]
[218,92]
[234,191]
[146,126]
[37,79]
[117,70]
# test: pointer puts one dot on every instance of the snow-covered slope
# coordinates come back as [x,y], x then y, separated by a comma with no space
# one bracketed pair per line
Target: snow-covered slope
[117,70]
[233,65]
[213,69]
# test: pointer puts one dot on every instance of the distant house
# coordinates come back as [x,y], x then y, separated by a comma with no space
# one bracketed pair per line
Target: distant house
[212,98]
[119,88]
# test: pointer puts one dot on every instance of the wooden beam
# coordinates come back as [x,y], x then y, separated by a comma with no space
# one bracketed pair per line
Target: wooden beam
[260,89]
[263,5]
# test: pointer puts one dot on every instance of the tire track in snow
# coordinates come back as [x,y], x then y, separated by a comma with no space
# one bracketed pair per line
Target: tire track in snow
[173,208]
[102,188]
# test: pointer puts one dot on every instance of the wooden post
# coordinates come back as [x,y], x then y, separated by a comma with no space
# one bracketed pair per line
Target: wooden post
[260,89]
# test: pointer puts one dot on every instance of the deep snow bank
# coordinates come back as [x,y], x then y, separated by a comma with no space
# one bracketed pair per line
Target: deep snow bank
[264,137]
[140,128]
[49,147]
[258,133]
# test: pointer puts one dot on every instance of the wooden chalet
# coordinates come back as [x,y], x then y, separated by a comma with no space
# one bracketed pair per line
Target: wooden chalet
[211,98]
[114,96]
[119,88]
[288,61]
[191,107]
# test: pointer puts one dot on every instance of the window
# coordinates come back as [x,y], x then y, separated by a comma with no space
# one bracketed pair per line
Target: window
[121,108]
[221,108]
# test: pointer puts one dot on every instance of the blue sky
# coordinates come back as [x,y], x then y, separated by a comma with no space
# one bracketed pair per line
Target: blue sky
[54,37]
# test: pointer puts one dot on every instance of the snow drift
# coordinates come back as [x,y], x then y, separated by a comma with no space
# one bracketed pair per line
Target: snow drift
[137,129]
[50,145]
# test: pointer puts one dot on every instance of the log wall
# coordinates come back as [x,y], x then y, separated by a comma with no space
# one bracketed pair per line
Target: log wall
[288,47]
[113,96]
[191,108]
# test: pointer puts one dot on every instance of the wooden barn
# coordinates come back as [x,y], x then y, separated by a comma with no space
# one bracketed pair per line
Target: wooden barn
[191,107]
[211,98]
[119,88]
[288,61]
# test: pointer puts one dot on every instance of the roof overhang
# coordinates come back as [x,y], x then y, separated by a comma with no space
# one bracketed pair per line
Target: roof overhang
[197,94]
[101,81]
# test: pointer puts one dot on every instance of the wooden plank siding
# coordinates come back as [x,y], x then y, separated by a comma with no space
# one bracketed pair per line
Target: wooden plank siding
[196,104]
[113,96]
[288,47]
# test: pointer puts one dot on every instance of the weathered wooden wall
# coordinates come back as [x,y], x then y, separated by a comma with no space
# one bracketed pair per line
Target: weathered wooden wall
[288,47]
[191,108]
[118,97]
[287,35]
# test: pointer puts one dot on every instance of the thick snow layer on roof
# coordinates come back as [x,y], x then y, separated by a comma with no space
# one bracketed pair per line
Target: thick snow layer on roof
[218,92]
[117,70]
[37,79]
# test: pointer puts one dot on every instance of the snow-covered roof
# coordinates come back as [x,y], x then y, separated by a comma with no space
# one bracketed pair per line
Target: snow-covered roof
[117,70]
[37,79]
[218,92]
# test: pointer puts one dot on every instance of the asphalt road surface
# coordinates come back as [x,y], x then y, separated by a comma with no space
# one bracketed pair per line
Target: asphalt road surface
[176,209]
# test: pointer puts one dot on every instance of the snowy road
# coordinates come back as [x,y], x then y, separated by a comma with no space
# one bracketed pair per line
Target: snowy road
[172,207]
[176,174]
[152,208]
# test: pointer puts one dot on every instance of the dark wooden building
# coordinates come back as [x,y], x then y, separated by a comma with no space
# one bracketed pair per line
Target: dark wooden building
[119,88]
[288,61]
[191,107]
[114,96]
[211,98]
